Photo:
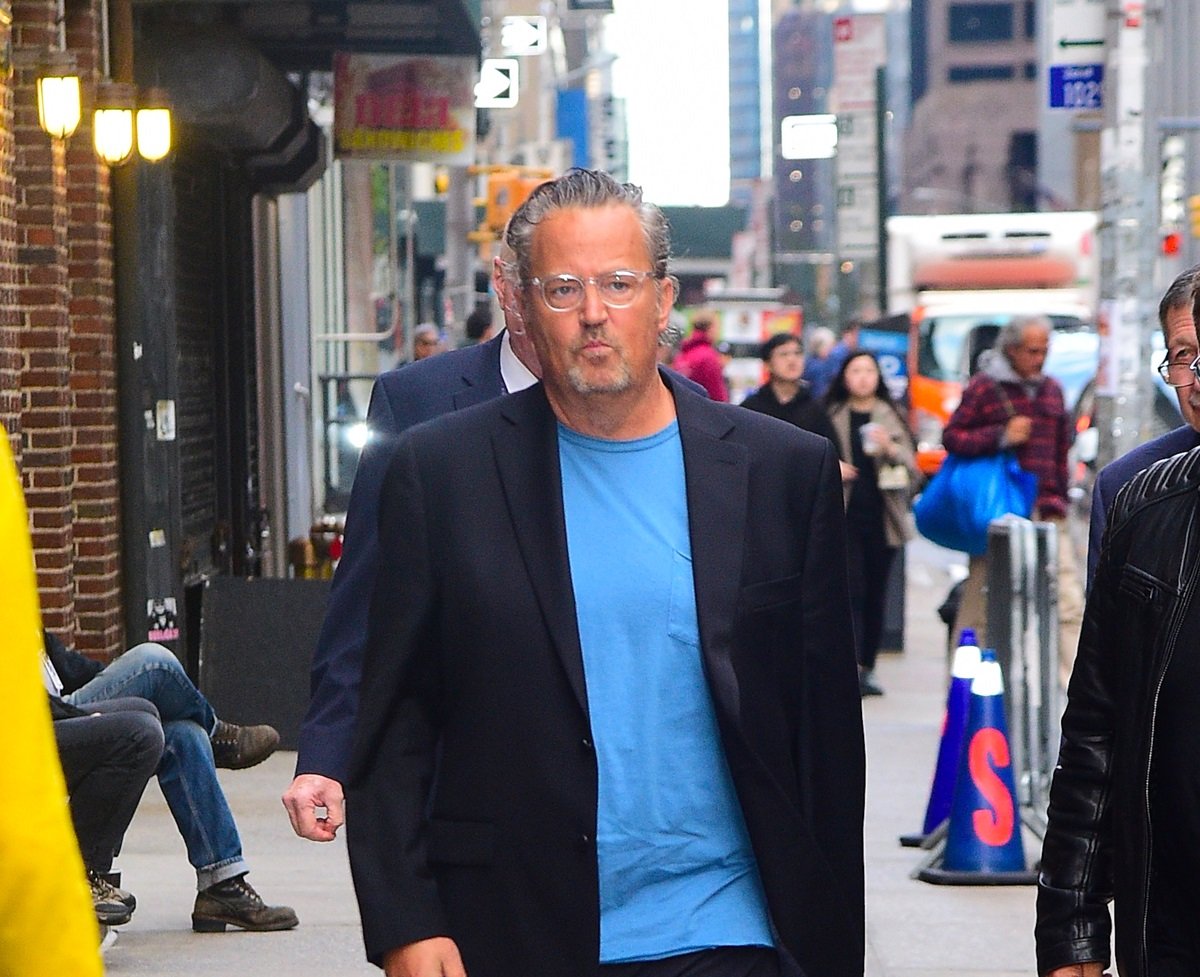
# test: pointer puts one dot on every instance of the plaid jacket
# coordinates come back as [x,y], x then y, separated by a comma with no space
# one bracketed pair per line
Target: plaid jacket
[977,428]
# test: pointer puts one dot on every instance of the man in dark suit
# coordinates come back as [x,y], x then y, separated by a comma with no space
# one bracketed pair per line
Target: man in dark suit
[401,398]
[610,721]
[1177,318]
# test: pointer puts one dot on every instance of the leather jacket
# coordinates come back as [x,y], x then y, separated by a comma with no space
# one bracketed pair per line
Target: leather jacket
[1099,839]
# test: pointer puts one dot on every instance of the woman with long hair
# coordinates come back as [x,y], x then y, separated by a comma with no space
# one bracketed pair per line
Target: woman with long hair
[879,471]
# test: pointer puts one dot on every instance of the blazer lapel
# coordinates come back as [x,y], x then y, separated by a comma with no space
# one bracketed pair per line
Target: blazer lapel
[525,446]
[717,479]
[481,378]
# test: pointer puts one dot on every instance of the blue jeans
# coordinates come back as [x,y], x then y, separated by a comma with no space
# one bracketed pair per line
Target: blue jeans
[186,772]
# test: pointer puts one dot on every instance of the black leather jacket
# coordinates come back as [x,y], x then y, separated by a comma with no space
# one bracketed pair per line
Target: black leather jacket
[1100,838]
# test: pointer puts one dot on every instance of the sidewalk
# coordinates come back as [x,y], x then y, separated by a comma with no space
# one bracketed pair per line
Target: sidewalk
[913,929]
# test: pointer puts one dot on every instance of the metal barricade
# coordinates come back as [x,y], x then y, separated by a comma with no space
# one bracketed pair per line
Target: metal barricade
[1022,625]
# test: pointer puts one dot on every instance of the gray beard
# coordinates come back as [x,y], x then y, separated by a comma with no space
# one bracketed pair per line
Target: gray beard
[581,385]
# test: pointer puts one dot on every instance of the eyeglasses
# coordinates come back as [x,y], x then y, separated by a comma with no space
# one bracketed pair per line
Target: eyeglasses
[1182,372]
[565,293]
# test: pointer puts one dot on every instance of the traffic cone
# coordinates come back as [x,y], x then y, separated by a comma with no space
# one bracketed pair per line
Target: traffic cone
[954,724]
[983,843]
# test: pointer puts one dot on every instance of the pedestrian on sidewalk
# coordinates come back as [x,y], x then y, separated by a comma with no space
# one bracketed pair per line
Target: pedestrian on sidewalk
[615,756]
[1176,318]
[196,743]
[879,471]
[699,361]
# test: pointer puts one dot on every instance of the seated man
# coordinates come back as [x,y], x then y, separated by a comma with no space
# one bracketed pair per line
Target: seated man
[196,742]
[107,757]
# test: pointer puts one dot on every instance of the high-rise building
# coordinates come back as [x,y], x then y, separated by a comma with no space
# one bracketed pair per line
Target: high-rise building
[746,72]
[972,142]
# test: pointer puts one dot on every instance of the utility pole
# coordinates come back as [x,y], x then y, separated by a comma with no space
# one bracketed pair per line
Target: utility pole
[1129,160]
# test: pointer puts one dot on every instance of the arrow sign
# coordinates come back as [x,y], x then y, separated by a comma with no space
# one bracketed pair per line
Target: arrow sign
[523,36]
[498,84]
[1065,43]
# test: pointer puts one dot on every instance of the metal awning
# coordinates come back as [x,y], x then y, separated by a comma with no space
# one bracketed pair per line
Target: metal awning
[302,35]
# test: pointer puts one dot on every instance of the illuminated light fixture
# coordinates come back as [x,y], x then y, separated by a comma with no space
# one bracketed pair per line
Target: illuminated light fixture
[112,123]
[59,104]
[153,125]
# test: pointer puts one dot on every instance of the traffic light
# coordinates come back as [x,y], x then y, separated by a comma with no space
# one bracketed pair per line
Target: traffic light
[506,191]
[1194,213]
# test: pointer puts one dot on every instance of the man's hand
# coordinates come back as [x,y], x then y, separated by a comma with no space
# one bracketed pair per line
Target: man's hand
[308,793]
[1018,429]
[1078,970]
[435,957]
[849,472]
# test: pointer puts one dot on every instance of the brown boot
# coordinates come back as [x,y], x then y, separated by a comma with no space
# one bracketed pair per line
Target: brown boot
[237,747]
[235,903]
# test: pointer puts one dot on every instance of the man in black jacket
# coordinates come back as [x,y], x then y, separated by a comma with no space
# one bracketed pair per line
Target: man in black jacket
[785,395]
[1127,773]
[108,753]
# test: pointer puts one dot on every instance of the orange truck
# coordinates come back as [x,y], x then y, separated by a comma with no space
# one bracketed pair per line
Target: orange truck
[960,277]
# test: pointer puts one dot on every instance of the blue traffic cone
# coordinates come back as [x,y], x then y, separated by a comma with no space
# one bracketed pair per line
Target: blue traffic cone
[958,702]
[985,825]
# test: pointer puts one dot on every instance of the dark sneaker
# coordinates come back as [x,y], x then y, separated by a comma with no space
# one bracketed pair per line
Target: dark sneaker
[237,747]
[235,903]
[111,909]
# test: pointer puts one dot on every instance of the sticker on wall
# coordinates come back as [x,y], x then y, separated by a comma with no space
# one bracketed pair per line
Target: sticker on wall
[161,620]
[158,537]
[164,412]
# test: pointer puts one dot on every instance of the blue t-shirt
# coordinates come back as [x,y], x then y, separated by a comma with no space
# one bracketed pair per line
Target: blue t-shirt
[677,872]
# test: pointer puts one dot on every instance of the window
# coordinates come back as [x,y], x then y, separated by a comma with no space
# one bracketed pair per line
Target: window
[1030,19]
[969,73]
[980,23]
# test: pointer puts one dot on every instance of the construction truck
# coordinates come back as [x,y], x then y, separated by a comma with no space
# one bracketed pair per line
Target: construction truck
[960,277]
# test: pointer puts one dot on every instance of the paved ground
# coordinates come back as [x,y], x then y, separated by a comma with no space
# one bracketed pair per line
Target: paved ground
[914,929]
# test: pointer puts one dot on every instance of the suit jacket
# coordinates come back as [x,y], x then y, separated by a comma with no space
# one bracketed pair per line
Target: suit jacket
[472,792]
[1115,474]
[401,398]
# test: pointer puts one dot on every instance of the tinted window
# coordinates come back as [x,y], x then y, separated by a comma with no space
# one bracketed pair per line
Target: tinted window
[989,72]
[977,23]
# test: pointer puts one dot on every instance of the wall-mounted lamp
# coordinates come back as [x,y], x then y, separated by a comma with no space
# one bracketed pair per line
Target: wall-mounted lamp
[58,103]
[153,124]
[112,124]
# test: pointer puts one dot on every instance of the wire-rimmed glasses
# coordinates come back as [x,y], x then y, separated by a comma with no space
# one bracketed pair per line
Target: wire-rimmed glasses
[1180,372]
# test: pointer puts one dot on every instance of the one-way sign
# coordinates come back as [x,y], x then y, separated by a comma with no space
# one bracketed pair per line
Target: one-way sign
[523,36]
[498,84]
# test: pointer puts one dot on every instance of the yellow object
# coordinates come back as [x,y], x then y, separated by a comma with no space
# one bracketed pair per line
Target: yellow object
[506,191]
[47,926]
[1194,213]
[59,101]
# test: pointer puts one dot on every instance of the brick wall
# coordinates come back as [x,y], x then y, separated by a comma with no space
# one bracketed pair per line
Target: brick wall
[10,338]
[64,317]
[93,370]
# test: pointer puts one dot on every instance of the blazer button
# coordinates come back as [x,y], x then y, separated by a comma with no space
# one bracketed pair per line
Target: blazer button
[586,743]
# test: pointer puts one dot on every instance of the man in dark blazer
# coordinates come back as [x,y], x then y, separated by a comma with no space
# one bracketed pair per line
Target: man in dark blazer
[610,720]
[401,398]
[1176,317]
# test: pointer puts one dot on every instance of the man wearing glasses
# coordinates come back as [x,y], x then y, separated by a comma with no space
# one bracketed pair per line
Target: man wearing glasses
[1178,369]
[610,722]
[1123,814]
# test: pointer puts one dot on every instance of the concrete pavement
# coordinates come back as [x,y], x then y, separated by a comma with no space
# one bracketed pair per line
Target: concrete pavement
[913,929]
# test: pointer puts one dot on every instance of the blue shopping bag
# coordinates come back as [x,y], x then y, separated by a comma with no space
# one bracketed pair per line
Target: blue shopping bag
[968,493]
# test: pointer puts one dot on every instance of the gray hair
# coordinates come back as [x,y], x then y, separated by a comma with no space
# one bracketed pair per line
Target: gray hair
[585,189]
[821,340]
[1013,333]
[1180,293]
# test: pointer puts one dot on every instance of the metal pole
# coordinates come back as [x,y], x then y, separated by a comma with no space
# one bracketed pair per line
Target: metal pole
[460,268]
[881,179]
[1130,166]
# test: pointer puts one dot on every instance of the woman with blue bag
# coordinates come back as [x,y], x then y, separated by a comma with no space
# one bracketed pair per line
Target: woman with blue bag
[1011,406]
[880,472]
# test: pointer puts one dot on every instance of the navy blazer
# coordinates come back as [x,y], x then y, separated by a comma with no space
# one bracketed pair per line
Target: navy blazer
[473,787]
[401,398]
[1116,473]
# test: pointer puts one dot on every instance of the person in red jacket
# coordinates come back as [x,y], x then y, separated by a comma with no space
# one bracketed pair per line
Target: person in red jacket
[699,361]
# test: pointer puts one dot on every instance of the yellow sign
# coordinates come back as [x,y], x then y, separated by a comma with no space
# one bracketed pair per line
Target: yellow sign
[414,108]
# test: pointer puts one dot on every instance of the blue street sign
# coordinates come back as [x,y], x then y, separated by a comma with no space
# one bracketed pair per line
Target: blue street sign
[1076,86]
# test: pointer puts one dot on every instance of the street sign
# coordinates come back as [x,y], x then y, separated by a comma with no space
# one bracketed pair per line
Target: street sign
[498,84]
[521,37]
[1077,31]
[1078,86]
[808,137]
